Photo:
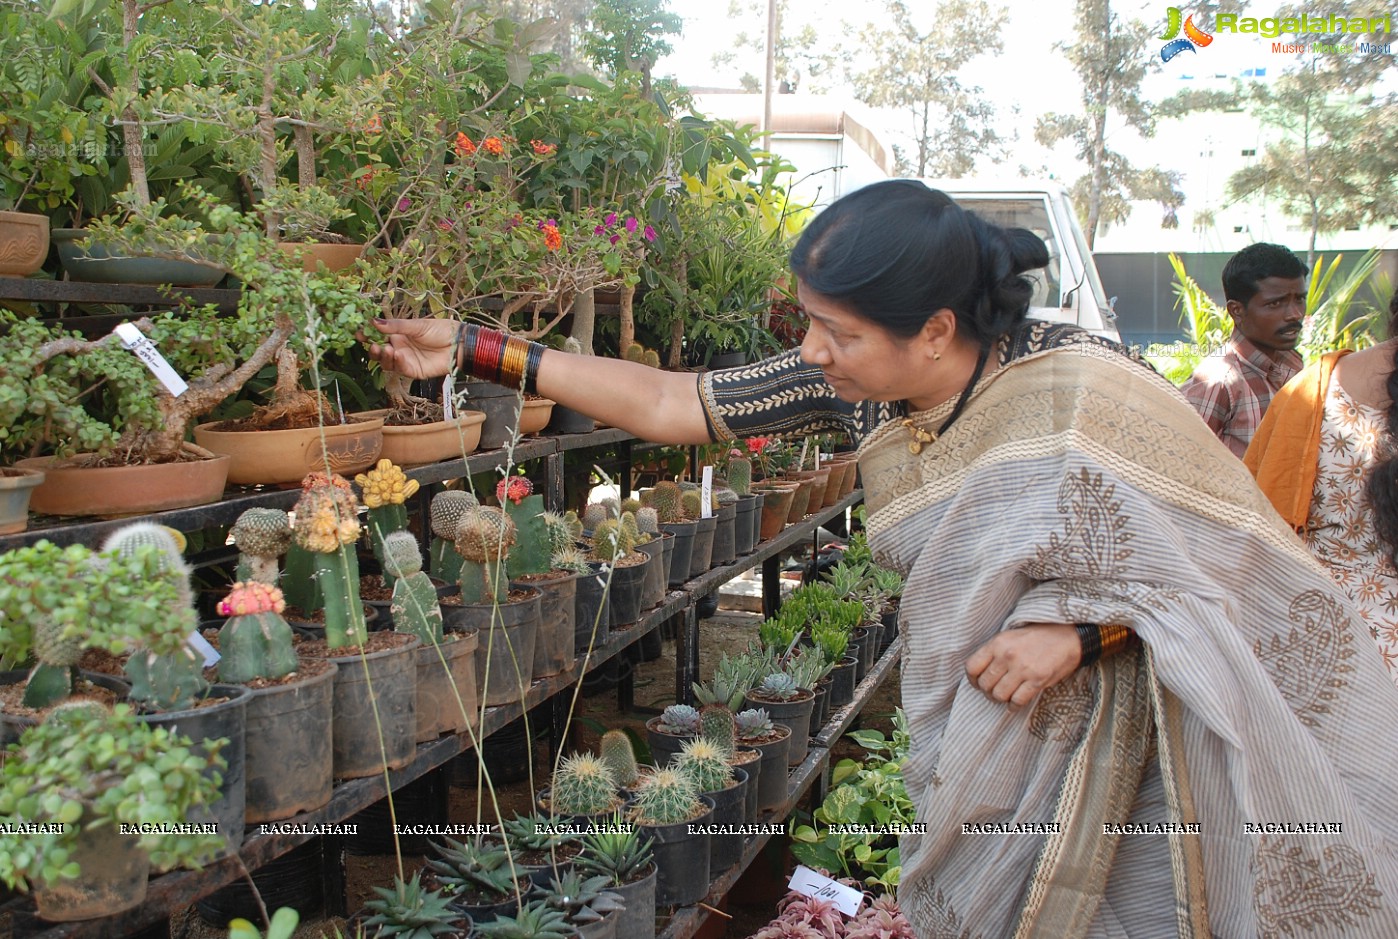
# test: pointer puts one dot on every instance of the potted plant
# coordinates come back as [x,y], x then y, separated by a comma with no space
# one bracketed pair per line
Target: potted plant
[614,545]
[666,499]
[477,877]
[412,911]
[788,704]
[716,726]
[706,763]
[616,752]
[541,845]
[535,920]
[754,728]
[542,557]
[583,788]
[670,810]
[587,903]
[666,733]
[623,856]
[78,778]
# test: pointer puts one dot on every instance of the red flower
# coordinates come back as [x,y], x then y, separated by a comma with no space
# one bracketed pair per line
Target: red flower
[464,146]
[515,488]
[553,238]
[365,177]
[494,146]
[543,149]
[757,444]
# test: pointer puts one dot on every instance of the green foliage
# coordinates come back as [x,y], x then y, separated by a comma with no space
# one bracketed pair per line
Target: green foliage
[616,752]
[85,766]
[734,675]
[535,920]
[538,832]
[667,798]
[616,851]
[410,911]
[283,926]
[580,898]
[476,865]
[1207,327]
[583,785]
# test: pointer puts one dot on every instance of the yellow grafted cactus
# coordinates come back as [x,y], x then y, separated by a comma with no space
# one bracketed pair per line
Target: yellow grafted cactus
[327,527]
[386,484]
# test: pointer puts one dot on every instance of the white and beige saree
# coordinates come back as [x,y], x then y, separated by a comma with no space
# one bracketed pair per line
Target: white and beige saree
[1231,779]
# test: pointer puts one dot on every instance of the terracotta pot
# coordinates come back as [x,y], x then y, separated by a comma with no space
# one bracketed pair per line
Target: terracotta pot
[314,255]
[820,481]
[16,485]
[851,479]
[535,416]
[24,243]
[286,456]
[127,490]
[776,507]
[420,444]
[834,489]
[94,263]
[800,503]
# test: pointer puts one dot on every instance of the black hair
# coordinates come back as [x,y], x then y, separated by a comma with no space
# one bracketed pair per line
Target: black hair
[1255,263]
[898,251]
[1382,485]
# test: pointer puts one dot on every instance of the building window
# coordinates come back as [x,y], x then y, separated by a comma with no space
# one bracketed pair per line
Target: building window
[1249,153]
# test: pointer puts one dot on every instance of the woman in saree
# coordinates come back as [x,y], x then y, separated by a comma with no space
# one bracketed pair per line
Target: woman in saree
[1049,499]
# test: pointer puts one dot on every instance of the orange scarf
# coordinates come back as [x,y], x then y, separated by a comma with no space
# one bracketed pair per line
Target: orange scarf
[1285,451]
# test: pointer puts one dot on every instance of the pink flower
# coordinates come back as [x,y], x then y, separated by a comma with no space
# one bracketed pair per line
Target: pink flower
[631,224]
[648,233]
[598,230]
[610,220]
[614,239]
[514,488]
[404,204]
[446,224]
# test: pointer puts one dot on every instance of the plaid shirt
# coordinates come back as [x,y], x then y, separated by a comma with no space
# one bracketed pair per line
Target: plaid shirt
[1231,389]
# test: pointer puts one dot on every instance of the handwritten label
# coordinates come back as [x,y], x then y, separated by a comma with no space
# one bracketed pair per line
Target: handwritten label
[706,493]
[449,397]
[201,646]
[807,882]
[137,341]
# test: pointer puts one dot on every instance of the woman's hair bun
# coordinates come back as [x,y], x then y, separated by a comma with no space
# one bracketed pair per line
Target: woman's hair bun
[1027,250]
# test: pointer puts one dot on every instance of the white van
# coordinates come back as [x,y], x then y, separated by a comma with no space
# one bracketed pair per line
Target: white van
[1068,290]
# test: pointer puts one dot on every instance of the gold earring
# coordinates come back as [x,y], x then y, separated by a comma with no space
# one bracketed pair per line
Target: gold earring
[936,356]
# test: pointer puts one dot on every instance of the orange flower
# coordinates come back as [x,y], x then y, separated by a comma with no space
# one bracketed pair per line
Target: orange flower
[541,148]
[366,176]
[463,145]
[375,126]
[553,238]
[493,145]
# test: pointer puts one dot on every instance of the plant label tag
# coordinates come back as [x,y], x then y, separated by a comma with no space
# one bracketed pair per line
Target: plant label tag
[137,341]
[706,497]
[808,883]
[201,646]
[449,397]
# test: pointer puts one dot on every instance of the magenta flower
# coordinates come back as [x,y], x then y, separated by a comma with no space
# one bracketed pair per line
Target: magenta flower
[614,239]
[631,224]
[598,230]
[610,219]
[404,204]
[648,233]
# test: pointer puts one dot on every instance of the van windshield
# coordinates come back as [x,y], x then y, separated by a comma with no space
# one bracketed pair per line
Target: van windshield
[1025,212]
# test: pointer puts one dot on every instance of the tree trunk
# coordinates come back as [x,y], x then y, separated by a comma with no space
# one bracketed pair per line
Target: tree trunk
[131,122]
[305,157]
[398,387]
[584,320]
[628,320]
[676,359]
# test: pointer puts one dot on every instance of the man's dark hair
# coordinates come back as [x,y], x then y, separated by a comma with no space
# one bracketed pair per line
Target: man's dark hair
[1255,263]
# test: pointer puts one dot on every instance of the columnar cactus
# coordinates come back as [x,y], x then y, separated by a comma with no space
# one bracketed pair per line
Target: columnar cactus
[385,489]
[665,499]
[705,764]
[414,607]
[533,547]
[616,752]
[716,726]
[327,527]
[262,537]
[447,508]
[667,798]
[255,642]
[583,785]
[740,474]
[483,539]
[691,503]
[164,672]
[678,719]
[630,531]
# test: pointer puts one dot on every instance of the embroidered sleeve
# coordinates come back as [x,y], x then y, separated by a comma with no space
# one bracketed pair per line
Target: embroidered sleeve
[776,397]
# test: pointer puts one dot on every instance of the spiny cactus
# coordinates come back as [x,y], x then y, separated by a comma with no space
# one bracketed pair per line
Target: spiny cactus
[635,352]
[705,764]
[752,724]
[630,505]
[630,532]
[594,514]
[255,642]
[724,495]
[667,798]
[483,539]
[610,541]
[572,559]
[778,686]
[262,537]
[615,751]
[691,503]
[165,673]
[740,474]
[575,525]
[583,785]
[678,719]
[560,536]
[327,527]
[716,726]
[651,359]
[447,508]
[648,521]
[414,606]
[665,498]
[386,488]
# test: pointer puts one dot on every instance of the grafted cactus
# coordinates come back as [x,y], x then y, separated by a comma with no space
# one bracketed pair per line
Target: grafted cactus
[326,528]
[164,672]
[447,508]
[414,607]
[386,489]
[716,726]
[262,537]
[583,785]
[483,539]
[616,752]
[740,474]
[705,764]
[667,798]
[533,547]
[666,500]
[255,642]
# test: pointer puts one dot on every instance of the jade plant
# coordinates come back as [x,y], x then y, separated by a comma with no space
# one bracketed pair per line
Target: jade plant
[483,539]
[85,766]
[414,606]
[668,798]
[385,489]
[448,506]
[705,764]
[327,526]
[262,536]
[583,785]
[410,911]
[255,642]
[616,752]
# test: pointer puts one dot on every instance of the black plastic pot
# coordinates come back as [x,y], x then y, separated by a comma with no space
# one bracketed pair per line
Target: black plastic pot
[757,518]
[506,753]
[842,682]
[890,628]
[772,777]
[872,645]
[754,770]
[795,714]
[744,531]
[12,725]
[422,802]
[858,640]
[591,612]
[626,592]
[701,554]
[683,552]
[487,912]
[501,407]
[820,712]
[653,590]
[505,650]
[681,859]
[447,702]
[564,420]
[392,676]
[638,919]
[725,549]
[663,747]
[553,647]
[730,809]
[289,761]
[667,542]
[290,880]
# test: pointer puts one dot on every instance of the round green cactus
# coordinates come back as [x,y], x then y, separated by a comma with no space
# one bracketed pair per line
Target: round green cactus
[575,525]
[668,798]
[616,752]
[630,532]
[705,764]
[691,504]
[255,642]
[583,785]
[716,726]
[630,505]
[740,475]
[401,555]
[594,514]
[560,535]
[262,536]
[610,542]
[665,498]
[648,521]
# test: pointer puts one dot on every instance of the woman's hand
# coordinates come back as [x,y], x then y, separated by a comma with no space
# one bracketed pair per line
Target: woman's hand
[415,348]
[1017,664]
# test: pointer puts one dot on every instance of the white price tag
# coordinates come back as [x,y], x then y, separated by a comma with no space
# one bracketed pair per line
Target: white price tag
[449,397]
[137,341]
[706,493]
[807,882]
[201,646]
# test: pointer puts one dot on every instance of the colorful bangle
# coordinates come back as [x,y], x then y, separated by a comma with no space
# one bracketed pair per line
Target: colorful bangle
[498,357]
[1114,637]
[1091,640]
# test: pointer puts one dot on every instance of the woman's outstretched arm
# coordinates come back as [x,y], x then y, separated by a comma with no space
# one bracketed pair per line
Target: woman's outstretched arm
[659,406]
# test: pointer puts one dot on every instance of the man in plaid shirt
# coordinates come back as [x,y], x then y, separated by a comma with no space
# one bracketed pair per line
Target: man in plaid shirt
[1265,286]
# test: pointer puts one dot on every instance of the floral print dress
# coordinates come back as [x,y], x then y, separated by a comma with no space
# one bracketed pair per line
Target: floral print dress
[1340,531]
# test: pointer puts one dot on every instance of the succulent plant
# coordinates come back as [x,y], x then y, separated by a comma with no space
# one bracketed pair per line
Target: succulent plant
[678,719]
[262,537]
[477,865]
[414,606]
[734,676]
[255,642]
[326,528]
[583,785]
[580,898]
[740,474]
[610,541]
[385,489]
[447,508]
[691,503]
[617,851]
[410,911]
[667,798]
[630,531]
[716,726]
[514,489]
[724,495]
[778,686]
[535,541]
[648,521]
[575,525]
[629,505]
[705,764]
[665,499]
[617,753]
[594,514]
[538,832]
[752,724]
[483,539]
[535,920]
[572,559]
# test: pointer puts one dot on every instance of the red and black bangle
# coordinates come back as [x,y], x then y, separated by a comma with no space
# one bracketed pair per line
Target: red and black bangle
[498,357]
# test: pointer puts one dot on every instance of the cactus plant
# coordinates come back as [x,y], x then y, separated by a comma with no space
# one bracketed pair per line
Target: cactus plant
[483,539]
[583,785]
[716,726]
[651,359]
[740,474]
[572,559]
[262,537]
[616,752]
[611,541]
[616,851]
[678,719]
[533,549]
[630,505]
[535,920]
[665,498]
[385,489]
[705,764]
[414,606]
[327,526]
[724,495]
[752,724]
[594,514]
[164,672]
[691,503]
[410,911]
[447,508]
[575,525]
[648,521]
[255,642]
[667,798]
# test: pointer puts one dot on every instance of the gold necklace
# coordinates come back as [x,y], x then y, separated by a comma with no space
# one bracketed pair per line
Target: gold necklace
[920,437]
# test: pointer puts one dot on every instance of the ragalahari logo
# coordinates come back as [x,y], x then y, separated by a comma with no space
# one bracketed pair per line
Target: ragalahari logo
[1193,35]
